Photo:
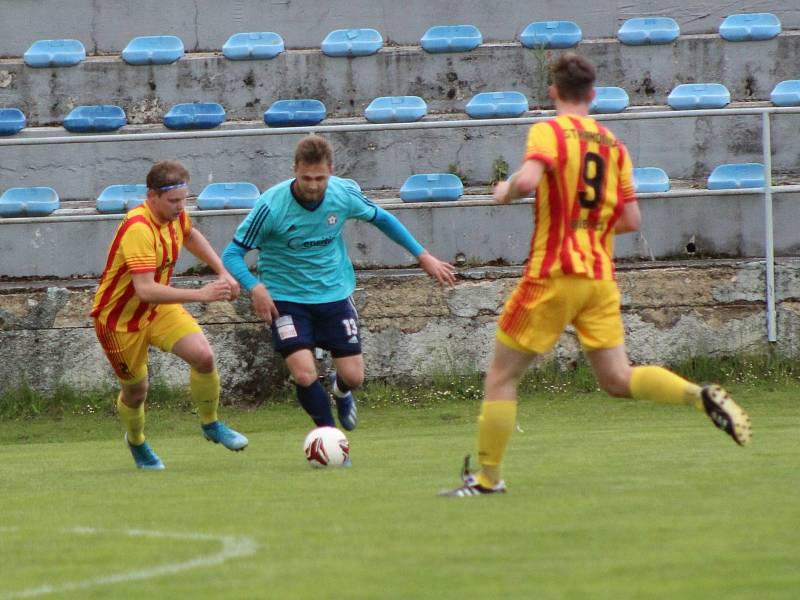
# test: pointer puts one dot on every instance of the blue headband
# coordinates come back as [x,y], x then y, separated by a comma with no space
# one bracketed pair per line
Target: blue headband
[175,186]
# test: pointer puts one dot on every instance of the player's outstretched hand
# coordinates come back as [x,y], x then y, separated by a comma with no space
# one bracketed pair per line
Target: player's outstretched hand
[216,290]
[263,305]
[235,289]
[441,271]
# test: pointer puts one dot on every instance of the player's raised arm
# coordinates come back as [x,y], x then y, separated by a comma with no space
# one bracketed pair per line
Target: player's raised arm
[441,271]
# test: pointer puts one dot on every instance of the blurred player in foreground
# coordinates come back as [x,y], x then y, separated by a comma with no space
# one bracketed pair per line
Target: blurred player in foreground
[583,180]
[305,277]
[135,307]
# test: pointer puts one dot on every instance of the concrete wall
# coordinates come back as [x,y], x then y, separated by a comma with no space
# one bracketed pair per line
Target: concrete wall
[105,27]
[687,148]
[410,326]
[446,81]
[472,233]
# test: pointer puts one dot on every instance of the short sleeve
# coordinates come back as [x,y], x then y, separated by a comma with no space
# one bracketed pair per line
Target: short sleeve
[360,207]
[542,145]
[186,223]
[626,175]
[256,226]
[138,247]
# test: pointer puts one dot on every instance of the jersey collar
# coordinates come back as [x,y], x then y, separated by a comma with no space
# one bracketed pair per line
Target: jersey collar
[309,206]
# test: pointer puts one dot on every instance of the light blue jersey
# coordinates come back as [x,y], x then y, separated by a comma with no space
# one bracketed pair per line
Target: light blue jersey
[302,254]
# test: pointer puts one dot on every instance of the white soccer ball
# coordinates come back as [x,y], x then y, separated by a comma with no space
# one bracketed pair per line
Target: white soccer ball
[326,447]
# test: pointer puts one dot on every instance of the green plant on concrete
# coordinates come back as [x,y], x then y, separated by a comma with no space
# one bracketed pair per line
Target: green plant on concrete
[456,170]
[499,171]
[542,58]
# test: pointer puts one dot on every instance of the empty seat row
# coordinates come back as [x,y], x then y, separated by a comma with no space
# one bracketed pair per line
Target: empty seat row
[732,176]
[166,49]
[390,109]
[423,187]
[650,30]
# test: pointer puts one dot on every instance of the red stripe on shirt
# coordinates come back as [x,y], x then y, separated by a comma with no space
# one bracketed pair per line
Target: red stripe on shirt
[554,200]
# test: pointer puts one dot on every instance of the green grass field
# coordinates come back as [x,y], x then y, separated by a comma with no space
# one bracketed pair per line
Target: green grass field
[607,499]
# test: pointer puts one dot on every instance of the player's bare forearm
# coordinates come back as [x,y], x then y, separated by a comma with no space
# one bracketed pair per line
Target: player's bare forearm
[148,290]
[197,244]
[521,184]
[630,220]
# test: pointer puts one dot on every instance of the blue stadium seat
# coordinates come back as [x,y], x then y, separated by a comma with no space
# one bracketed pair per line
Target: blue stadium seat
[497,105]
[295,113]
[786,93]
[649,180]
[749,27]
[195,115]
[54,53]
[352,42]
[648,30]
[217,196]
[253,46]
[12,121]
[28,202]
[153,50]
[736,176]
[121,198]
[104,117]
[690,96]
[432,187]
[396,109]
[609,100]
[551,34]
[451,38]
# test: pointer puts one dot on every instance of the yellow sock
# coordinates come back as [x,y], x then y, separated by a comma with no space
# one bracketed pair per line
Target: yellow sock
[205,394]
[495,426]
[660,385]
[133,419]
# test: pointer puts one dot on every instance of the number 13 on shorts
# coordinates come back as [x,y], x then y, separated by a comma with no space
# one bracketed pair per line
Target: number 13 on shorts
[350,326]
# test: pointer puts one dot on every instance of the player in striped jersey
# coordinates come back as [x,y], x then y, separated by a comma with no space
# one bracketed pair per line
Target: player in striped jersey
[135,307]
[305,277]
[583,180]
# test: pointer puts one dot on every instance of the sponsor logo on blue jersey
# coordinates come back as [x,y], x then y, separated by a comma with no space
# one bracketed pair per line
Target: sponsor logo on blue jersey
[300,244]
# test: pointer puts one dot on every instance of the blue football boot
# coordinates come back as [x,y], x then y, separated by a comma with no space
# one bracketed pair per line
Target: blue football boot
[219,433]
[345,406]
[144,457]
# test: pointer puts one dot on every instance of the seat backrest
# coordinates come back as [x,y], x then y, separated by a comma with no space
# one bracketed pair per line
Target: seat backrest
[352,42]
[497,105]
[432,187]
[451,38]
[551,34]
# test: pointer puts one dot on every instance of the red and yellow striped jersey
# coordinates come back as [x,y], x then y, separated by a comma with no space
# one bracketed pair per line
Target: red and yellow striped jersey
[141,244]
[588,180]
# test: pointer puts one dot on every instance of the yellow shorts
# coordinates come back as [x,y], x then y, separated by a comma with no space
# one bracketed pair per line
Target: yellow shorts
[127,350]
[538,310]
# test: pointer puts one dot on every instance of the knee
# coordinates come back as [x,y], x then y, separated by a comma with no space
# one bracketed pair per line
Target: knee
[133,397]
[352,379]
[305,376]
[203,360]
[496,378]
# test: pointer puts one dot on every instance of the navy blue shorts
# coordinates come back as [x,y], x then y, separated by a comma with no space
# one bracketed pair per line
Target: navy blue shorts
[332,326]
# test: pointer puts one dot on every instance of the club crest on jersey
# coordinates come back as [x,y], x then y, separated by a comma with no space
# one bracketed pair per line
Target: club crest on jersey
[332,219]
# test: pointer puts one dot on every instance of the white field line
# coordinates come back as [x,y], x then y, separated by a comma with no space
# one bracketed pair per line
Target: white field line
[232,547]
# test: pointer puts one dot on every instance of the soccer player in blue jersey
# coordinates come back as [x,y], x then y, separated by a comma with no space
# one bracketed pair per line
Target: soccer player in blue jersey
[305,277]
